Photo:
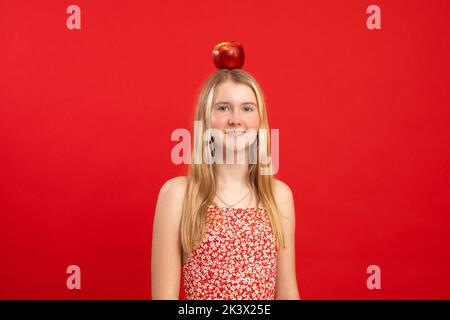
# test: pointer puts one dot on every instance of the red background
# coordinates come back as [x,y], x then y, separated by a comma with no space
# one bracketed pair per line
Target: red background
[86,117]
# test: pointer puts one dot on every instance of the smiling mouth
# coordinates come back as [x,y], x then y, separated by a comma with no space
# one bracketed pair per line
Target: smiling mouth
[234,132]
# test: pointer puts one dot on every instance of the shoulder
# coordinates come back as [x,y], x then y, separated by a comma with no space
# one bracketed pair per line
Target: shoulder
[174,186]
[171,195]
[284,197]
[282,191]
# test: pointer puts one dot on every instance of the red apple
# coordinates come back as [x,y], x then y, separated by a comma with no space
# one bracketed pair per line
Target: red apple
[228,55]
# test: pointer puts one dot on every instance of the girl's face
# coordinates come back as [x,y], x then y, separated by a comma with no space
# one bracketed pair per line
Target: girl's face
[234,116]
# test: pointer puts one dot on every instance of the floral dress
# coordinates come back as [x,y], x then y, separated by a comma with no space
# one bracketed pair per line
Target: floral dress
[236,259]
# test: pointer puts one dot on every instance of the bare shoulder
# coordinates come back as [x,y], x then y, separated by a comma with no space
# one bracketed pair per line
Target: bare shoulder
[174,186]
[282,191]
[171,195]
[284,197]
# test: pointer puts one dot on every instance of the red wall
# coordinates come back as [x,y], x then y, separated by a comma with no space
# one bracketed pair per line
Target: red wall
[86,117]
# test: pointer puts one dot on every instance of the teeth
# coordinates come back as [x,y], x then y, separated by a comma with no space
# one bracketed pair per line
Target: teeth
[235,132]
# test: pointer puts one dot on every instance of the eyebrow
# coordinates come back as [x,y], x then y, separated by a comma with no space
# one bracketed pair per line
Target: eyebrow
[224,102]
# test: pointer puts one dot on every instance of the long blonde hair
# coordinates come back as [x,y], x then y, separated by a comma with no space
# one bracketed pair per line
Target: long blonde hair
[201,181]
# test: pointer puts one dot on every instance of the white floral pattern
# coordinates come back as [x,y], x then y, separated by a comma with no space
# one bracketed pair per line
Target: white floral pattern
[236,259]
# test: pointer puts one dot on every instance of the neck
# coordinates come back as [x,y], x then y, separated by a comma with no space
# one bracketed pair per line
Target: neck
[231,176]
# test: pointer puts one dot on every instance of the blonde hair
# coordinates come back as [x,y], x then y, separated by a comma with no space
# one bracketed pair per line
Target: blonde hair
[201,182]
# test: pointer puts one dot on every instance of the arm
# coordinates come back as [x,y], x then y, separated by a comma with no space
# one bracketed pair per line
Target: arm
[166,249]
[286,286]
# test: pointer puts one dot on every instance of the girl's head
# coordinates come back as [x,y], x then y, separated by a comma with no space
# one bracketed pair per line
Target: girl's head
[232,111]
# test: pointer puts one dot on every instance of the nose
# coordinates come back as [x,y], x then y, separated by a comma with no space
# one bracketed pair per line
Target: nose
[234,119]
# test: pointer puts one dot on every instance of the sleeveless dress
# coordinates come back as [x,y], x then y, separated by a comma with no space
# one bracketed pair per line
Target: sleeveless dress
[236,259]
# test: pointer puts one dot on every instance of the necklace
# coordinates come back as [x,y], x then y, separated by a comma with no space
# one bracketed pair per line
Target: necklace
[232,205]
